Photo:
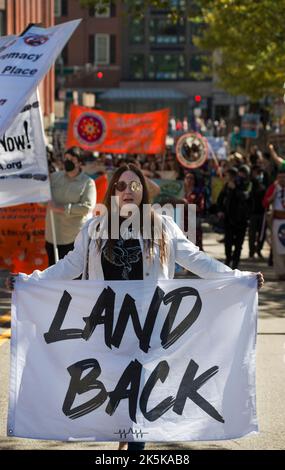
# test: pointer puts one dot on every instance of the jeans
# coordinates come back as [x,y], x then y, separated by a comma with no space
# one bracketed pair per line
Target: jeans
[136,445]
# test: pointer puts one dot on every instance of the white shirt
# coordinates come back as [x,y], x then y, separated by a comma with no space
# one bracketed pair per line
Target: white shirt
[180,250]
[279,200]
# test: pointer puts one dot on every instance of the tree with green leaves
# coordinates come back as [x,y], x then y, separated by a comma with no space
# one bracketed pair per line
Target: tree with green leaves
[250,38]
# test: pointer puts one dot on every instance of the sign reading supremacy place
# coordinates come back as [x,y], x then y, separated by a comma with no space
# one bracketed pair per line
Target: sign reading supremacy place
[110,361]
[24,61]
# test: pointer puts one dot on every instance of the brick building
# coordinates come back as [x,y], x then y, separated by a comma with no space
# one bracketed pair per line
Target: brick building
[138,64]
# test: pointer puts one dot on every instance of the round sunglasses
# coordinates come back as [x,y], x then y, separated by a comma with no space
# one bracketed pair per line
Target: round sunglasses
[134,186]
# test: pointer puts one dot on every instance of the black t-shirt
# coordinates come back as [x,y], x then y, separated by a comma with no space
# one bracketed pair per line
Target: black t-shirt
[125,261]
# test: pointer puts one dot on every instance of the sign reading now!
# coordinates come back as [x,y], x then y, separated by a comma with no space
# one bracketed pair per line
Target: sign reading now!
[24,61]
[23,163]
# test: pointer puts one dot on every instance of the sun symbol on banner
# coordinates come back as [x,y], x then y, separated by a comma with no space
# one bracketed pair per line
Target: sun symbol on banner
[35,39]
[90,129]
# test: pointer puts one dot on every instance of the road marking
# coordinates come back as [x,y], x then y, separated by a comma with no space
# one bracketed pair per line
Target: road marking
[5,336]
[5,318]
[5,322]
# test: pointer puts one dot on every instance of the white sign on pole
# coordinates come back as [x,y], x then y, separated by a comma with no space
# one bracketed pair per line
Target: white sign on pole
[23,161]
[133,361]
[24,61]
[6,41]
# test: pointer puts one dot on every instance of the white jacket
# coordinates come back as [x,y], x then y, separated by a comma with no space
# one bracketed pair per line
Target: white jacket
[180,250]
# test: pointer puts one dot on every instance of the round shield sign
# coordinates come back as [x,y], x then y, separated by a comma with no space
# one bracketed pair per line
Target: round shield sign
[192,150]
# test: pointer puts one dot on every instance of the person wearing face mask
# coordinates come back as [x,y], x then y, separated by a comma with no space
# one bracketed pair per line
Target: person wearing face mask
[73,199]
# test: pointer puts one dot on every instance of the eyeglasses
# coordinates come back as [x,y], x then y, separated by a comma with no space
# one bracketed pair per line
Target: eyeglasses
[134,186]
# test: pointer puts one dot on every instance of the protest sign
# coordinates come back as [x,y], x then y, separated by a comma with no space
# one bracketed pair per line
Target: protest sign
[218,147]
[24,61]
[117,133]
[250,125]
[22,238]
[23,161]
[117,360]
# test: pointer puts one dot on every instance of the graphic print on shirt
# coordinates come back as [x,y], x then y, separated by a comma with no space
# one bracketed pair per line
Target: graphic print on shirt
[123,255]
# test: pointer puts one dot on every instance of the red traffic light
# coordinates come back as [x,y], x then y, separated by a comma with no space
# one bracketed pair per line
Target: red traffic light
[198,98]
[100,75]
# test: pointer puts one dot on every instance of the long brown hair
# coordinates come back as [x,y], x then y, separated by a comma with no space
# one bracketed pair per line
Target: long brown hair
[148,243]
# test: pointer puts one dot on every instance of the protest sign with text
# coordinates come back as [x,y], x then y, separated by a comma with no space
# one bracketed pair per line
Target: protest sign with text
[24,61]
[23,161]
[109,361]
[117,133]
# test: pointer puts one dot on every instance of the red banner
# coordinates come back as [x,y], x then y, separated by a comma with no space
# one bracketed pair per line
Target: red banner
[117,133]
[22,238]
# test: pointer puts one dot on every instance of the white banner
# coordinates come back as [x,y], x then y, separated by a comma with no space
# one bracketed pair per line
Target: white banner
[6,41]
[24,61]
[23,161]
[278,233]
[110,361]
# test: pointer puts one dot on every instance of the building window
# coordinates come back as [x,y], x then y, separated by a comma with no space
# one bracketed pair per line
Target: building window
[103,12]
[164,31]
[57,8]
[166,67]
[2,22]
[64,54]
[60,8]
[196,30]
[197,63]
[170,5]
[178,3]
[137,31]
[137,66]
[102,49]
[97,48]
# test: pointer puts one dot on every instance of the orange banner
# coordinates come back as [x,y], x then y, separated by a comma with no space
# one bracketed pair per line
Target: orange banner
[22,238]
[117,133]
[101,188]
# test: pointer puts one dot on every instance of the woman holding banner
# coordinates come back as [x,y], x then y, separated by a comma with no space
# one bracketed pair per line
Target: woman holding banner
[147,247]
